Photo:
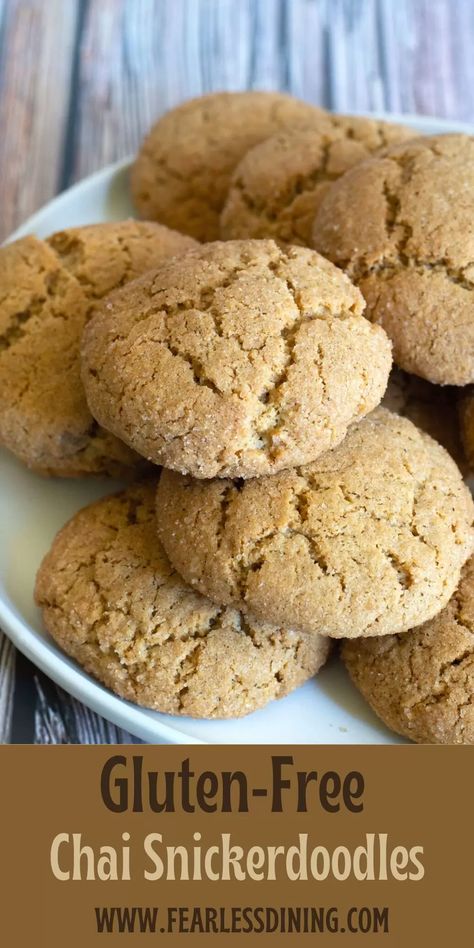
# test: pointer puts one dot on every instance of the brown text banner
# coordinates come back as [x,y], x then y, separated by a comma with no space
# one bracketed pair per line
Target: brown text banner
[121,845]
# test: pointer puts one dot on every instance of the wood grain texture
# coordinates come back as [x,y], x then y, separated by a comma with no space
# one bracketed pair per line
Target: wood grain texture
[35,68]
[7,679]
[82,80]
[61,719]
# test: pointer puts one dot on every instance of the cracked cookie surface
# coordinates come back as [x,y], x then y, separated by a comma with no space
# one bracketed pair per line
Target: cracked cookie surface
[368,540]
[402,226]
[183,169]
[421,684]
[277,187]
[48,291]
[239,360]
[112,601]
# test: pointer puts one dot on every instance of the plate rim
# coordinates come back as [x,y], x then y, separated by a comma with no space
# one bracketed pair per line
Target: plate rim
[41,652]
[82,686]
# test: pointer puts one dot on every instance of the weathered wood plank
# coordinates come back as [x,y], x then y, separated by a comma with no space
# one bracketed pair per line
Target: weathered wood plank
[7,681]
[61,719]
[138,59]
[36,58]
[426,50]
[307,42]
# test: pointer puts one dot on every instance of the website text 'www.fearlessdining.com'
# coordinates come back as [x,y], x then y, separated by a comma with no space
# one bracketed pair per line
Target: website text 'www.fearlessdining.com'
[212,920]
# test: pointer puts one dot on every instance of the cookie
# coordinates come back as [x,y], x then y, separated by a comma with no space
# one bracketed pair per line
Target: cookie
[421,684]
[103,257]
[277,187]
[368,540]
[402,227]
[49,289]
[112,601]
[432,408]
[240,360]
[183,169]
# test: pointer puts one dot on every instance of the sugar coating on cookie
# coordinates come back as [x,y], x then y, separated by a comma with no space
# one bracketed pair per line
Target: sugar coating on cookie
[105,256]
[239,360]
[402,227]
[183,169]
[277,187]
[369,539]
[433,408]
[49,289]
[421,684]
[112,601]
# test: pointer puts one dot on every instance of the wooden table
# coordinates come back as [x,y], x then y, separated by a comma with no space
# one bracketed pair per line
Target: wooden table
[81,81]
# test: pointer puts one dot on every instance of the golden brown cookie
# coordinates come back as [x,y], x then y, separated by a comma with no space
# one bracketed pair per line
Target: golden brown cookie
[103,257]
[239,360]
[369,539]
[112,601]
[402,227]
[433,408]
[49,289]
[279,184]
[421,684]
[183,169]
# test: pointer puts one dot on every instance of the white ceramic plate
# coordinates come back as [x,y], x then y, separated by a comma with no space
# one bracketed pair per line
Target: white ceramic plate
[325,710]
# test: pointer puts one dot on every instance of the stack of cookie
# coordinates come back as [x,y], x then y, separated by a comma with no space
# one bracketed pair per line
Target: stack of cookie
[49,288]
[292,510]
